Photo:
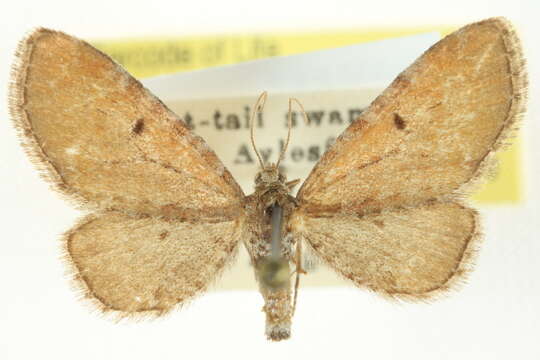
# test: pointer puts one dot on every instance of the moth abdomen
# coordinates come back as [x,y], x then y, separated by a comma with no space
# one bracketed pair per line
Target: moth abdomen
[274,272]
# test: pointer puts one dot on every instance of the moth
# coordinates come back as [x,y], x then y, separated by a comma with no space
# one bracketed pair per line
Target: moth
[384,207]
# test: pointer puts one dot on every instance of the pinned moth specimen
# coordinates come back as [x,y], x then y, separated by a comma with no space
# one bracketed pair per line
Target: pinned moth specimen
[383,207]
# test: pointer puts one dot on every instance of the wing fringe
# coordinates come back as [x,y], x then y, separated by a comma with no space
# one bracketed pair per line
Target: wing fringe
[487,167]
[22,125]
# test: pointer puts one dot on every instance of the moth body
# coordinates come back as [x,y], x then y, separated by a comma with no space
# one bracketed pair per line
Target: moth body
[272,249]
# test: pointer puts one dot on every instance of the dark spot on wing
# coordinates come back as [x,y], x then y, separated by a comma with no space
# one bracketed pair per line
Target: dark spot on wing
[138,127]
[399,122]
[163,235]
[379,223]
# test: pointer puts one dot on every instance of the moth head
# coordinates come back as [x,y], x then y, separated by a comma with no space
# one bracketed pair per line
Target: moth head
[270,175]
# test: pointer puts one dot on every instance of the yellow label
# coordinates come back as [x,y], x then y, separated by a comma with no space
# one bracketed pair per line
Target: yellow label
[150,57]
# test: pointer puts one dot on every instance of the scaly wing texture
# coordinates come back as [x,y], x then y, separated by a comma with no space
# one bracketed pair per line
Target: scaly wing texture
[146,265]
[408,253]
[381,207]
[431,130]
[105,141]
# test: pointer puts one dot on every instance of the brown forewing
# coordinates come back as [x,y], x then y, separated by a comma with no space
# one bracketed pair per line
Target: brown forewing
[104,140]
[430,130]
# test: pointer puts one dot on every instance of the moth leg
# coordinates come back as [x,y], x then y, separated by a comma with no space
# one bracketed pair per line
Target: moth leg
[291,184]
[298,270]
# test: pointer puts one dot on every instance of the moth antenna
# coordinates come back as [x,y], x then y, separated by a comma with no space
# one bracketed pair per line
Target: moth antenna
[304,114]
[289,125]
[259,106]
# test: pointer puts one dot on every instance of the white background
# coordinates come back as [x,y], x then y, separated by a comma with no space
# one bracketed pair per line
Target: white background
[495,316]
